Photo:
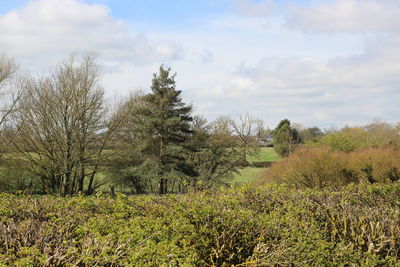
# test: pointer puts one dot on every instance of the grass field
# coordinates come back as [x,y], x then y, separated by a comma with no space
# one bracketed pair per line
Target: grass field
[246,175]
[266,154]
[250,174]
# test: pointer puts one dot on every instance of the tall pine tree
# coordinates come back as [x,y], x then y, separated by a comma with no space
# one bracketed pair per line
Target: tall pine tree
[163,130]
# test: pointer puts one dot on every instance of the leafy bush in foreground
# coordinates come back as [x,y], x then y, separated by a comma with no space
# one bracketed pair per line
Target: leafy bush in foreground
[271,225]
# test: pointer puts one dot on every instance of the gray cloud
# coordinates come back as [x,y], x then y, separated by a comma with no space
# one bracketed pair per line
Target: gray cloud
[254,9]
[353,16]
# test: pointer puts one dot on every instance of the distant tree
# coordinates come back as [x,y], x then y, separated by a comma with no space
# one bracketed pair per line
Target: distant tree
[62,124]
[310,135]
[248,132]
[222,125]
[380,133]
[285,138]
[214,155]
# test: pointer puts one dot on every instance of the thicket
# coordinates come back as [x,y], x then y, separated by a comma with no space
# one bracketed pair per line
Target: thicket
[319,167]
[272,225]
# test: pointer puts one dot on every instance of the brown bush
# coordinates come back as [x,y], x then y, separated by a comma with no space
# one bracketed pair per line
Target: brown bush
[319,167]
[376,164]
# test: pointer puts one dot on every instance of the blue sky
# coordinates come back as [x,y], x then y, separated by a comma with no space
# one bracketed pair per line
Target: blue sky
[324,63]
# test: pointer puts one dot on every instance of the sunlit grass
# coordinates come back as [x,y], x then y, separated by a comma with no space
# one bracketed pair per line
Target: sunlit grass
[266,154]
[246,175]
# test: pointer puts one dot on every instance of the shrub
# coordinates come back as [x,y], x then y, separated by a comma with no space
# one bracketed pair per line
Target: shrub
[14,176]
[376,164]
[373,135]
[321,167]
[261,164]
[275,225]
[311,167]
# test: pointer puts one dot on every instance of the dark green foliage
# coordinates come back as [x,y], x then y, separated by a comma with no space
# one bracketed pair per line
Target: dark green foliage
[285,138]
[310,135]
[166,129]
[394,174]
[15,176]
[367,170]
[126,168]
[158,133]
[265,226]
[261,164]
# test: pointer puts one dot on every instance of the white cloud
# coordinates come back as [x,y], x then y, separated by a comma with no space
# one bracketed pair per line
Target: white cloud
[45,29]
[320,115]
[254,9]
[240,24]
[354,16]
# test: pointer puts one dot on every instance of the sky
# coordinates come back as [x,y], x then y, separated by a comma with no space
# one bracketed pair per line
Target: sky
[319,63]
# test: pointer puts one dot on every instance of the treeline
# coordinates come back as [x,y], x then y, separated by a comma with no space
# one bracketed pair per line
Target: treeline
[60,136]
[287,137]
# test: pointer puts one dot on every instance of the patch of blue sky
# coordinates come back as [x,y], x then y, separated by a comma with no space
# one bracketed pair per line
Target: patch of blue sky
[164,13]
[7,5]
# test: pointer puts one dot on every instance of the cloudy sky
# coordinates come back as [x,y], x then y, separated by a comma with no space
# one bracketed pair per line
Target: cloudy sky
[316,62]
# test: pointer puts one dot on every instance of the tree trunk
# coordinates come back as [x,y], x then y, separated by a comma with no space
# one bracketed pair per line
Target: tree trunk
[90,189]
[81,176]
[163,186]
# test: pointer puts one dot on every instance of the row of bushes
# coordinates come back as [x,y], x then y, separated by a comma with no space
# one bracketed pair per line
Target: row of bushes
[257,164]
[376,134]
[321,166]
[272,225]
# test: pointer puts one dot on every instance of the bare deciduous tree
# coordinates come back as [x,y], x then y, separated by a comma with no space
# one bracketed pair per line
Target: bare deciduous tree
[249,132]
[7,68]
[63,126]
[9,99]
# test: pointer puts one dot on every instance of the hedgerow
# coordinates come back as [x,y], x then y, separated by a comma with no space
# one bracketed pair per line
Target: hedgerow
[270,225]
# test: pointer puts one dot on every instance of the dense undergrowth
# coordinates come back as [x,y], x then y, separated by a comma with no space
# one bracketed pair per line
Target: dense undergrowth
[269,225]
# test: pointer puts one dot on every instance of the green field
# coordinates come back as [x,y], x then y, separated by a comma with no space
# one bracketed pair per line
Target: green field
[250,174]
[246,175]
[266,154]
